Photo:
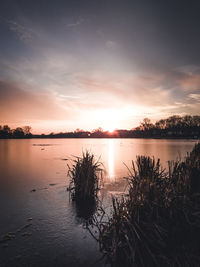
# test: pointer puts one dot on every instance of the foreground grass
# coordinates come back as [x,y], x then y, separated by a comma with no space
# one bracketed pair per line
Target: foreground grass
[158,222]
[85,175]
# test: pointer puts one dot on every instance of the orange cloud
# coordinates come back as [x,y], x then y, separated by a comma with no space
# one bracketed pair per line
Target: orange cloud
[17,104]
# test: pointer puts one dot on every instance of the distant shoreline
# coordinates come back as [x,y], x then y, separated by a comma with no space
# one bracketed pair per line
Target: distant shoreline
[111,137]
[174,127]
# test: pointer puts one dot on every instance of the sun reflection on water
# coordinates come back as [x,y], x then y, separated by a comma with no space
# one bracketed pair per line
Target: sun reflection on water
[111,173]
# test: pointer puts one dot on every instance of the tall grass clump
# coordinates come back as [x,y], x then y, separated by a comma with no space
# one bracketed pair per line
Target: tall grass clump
[85,175]
[158,222]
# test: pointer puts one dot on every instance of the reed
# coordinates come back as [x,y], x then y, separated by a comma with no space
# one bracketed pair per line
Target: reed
[85,176]
[158,222]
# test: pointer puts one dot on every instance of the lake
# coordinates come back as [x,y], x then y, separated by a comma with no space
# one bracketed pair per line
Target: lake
[42,225]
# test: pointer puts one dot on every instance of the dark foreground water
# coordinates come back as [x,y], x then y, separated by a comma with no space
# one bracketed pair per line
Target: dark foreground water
[39,226]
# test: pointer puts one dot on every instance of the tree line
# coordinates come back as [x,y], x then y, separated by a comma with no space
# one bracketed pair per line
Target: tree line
[172,127]
[19,132]
[172,122]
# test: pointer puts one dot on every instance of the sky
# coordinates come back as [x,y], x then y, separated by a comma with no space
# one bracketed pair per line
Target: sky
[97,63]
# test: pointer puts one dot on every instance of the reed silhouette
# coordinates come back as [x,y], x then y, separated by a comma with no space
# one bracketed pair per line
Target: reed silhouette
[85,174]
[158,222]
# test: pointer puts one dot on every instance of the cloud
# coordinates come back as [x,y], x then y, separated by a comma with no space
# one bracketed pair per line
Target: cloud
[195,97]
[111,44]
[121,87]
[55,87]
[191,82]
[77,23]
[18,104]
[48,71]
[24,34]
[68,96]
[160,93]
[184,78]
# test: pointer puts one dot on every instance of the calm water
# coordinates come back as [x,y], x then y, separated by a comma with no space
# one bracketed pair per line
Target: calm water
[45,228]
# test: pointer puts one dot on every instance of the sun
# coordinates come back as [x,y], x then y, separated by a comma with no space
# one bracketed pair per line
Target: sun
[111,129]
[108,119]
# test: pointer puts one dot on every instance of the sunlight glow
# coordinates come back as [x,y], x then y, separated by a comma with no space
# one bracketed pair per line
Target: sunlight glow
[111,129]
[111,173]
[109,119]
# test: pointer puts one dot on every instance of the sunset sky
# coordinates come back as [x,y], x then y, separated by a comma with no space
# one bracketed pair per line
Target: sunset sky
[109,63]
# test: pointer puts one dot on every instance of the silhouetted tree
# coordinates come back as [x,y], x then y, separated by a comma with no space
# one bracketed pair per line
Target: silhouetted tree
[146,124]
[18,132]
[6,129]
[27,130]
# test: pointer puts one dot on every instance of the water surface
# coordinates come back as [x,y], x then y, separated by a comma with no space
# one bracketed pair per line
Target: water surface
[44,227]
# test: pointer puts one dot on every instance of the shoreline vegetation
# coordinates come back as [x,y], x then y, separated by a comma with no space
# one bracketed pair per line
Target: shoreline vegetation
[85,177]
[174,127]
[156,222]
